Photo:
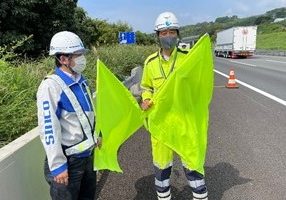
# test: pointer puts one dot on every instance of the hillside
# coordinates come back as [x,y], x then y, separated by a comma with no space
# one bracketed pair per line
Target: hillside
[270,35]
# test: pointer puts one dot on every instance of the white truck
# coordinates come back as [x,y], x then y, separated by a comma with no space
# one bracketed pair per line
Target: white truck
[236,42]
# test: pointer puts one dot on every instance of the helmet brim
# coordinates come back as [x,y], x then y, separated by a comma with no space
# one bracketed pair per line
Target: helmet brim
[167,28]
[78,52]
[82,51]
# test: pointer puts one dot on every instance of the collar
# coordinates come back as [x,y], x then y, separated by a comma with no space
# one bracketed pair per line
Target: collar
[68,78]
[172,56]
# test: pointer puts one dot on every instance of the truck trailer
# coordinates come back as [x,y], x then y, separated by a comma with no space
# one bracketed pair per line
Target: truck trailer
[236,42]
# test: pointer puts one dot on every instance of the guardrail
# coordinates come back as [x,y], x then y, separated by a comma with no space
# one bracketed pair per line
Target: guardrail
[21,169]
[270,52]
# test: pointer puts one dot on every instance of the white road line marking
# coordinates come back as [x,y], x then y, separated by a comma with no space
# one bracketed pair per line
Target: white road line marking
[275,61]
[270,96]
[242,63]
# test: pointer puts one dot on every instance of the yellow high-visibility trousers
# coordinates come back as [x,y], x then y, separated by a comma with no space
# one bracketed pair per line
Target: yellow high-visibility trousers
[163,161]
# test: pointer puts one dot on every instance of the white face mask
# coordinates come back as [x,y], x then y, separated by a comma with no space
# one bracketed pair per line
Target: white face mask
[80,64]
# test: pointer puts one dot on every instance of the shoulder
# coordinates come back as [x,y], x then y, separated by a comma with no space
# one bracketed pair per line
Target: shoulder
[48,85]
[151,58]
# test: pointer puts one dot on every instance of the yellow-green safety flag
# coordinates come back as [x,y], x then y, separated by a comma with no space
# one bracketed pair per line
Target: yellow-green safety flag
[180,114]
[118,116]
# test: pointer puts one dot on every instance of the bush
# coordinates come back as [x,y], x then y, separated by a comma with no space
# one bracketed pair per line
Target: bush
[122,58]
[19,84]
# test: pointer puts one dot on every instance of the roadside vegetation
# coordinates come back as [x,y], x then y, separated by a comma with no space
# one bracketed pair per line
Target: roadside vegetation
[272,41]
[24,43]
[19,83]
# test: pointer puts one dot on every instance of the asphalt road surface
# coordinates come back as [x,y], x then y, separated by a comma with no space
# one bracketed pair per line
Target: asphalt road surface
[246,151]
[267,73]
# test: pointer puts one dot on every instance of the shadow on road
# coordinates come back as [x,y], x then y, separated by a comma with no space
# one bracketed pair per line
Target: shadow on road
[102,177]
[219,178]
[145,190]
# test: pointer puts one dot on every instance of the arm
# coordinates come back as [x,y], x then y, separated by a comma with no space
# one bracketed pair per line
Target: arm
[48,97]
[146,85]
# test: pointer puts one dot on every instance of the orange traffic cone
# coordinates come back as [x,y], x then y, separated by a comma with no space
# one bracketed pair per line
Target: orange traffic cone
[231,80]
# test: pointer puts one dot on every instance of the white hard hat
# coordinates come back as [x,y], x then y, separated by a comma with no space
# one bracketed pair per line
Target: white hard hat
[67,43]
[166,20]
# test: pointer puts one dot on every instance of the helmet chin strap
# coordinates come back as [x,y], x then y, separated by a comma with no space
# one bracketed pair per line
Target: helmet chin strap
[68,66]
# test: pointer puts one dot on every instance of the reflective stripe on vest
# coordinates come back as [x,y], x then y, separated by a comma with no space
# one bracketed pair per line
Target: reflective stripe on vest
[89,142]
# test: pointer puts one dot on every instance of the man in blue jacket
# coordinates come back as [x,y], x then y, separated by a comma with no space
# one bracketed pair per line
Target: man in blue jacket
[66,122]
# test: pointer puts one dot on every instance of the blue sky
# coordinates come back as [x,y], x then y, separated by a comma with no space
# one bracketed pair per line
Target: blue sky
[141,14]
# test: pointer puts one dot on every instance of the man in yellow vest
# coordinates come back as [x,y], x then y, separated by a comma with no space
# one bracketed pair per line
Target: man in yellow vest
[157,69]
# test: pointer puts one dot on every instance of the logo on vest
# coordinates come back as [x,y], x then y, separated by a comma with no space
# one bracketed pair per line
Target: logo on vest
[49,133]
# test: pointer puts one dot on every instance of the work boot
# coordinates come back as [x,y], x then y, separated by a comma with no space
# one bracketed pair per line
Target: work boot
[164,195]
[200,199]
[203,196]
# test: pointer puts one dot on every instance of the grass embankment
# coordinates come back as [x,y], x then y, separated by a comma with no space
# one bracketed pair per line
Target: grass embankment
[18,84]
[272,41]
[18,87]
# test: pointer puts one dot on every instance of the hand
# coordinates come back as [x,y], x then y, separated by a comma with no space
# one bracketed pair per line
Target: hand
[146,104]
[62,178]
[99,142]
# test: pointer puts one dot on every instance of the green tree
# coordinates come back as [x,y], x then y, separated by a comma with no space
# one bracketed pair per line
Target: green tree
[263,19]
[144,38]
[222,19]
[86,27]
[22,18]
[277,13]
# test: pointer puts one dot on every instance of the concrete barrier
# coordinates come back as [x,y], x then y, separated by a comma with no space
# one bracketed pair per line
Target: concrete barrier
[21,161]
[21,169]
[270,52]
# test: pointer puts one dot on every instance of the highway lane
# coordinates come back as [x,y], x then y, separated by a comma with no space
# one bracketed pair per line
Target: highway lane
[267,73]
[246,157]
[246,153]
